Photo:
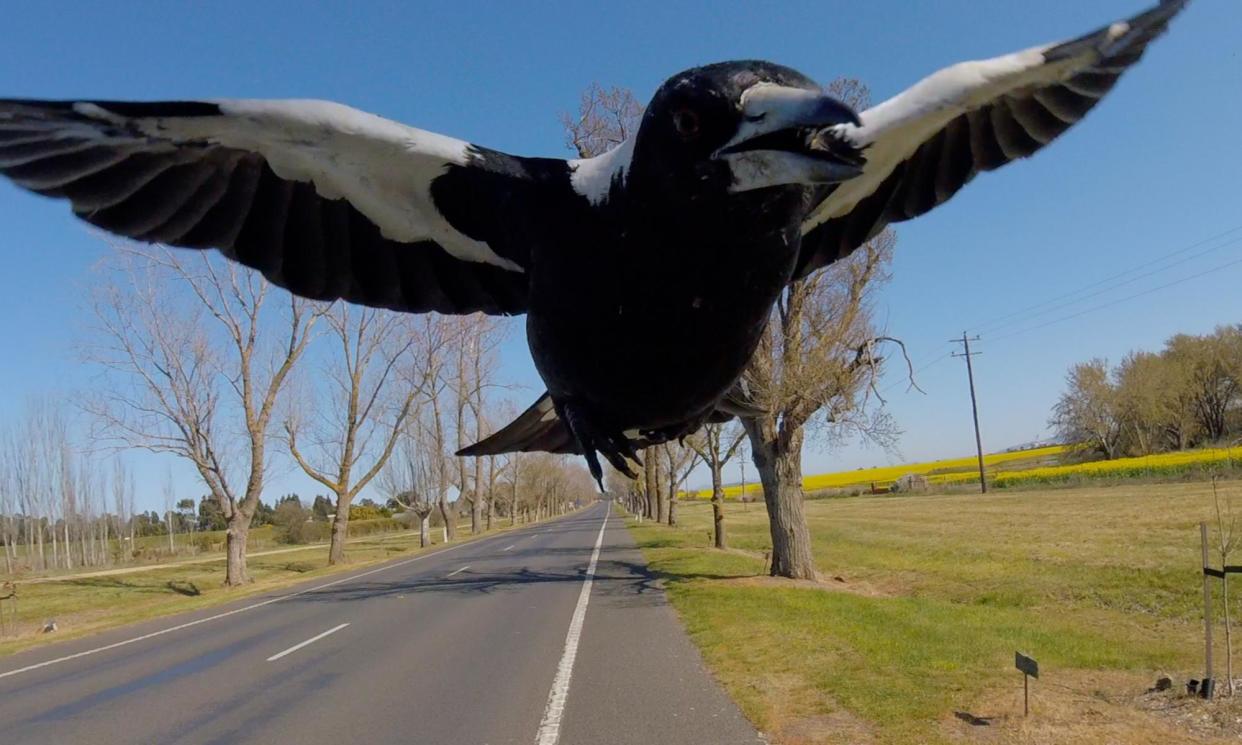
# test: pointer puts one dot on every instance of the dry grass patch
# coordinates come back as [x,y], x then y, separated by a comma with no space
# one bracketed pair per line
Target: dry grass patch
[1092,706]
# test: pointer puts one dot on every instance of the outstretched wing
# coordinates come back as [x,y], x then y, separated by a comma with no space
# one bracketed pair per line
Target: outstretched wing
[325,200]
[927,142]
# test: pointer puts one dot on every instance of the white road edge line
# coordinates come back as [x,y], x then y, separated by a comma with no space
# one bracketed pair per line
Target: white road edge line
[311,640]
[550,727]
[233,612]
[458,571]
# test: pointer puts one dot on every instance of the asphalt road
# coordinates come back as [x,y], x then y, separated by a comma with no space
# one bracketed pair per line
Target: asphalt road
[553,633]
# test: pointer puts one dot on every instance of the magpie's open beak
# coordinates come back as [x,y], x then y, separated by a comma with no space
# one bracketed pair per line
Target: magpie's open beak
[788,136]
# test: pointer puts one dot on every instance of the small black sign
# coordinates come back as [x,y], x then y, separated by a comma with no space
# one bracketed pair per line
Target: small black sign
[1026,664]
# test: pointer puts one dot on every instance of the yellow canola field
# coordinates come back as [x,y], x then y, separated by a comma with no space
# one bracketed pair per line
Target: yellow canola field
[884,476]
[1163,464]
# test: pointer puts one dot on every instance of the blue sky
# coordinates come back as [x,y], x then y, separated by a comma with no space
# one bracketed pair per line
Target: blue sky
[1151,172]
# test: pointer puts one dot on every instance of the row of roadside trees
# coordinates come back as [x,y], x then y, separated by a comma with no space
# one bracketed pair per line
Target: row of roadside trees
[200,359]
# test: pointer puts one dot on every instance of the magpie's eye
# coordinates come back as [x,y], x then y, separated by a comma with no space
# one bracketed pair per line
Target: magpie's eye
[687,123]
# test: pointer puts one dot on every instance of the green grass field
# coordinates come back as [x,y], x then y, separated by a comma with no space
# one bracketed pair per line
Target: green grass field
[925,599]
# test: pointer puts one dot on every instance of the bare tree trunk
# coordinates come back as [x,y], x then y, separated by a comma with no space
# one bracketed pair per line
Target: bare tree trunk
[780,471]
[671,497]
[661,495]
[235,544]
[8,544]
[340,530]
[476,505]
[30,543]
[650,509]
[450,524]
[476,514]
[424,529]
[106,554]
[718,526]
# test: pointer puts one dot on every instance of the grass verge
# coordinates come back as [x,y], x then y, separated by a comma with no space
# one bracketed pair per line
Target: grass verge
[910,636]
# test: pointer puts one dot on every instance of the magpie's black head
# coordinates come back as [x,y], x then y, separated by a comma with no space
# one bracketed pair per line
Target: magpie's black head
[736,127]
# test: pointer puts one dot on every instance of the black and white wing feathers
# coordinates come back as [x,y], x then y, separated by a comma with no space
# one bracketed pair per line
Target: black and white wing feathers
[926,143]
[325,200]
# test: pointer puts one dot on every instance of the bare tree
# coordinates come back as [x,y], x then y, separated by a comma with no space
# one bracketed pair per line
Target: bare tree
[409,476]
[606,118]
[1089,411]
[716,444]
[477,337]
[9,500]
[820,353]
[25,475]
[362,414]
[123,502]
[430,373]
[194,356]
[513,470]
[679,460]
[48,433]
[170,498]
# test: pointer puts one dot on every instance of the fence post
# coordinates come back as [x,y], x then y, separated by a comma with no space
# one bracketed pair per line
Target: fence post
[1206,685]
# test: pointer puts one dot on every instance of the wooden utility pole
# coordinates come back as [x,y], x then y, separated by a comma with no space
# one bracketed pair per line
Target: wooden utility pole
[974,406]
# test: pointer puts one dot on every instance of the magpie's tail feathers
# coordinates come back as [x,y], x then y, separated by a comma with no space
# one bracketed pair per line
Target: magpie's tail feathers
[538,429]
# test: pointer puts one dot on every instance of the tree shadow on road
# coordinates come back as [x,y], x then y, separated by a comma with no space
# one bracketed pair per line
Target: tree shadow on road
[613,579]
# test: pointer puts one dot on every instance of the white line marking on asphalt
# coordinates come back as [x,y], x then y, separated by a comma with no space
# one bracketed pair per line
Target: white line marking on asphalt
[311,640]
[508,548]
[458,571]
[232,612]
[550,727]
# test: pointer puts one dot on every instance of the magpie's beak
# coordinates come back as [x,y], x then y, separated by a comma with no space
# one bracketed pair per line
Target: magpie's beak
[790,136]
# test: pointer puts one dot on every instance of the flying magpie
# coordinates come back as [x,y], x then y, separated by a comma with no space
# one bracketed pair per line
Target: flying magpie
[741,177]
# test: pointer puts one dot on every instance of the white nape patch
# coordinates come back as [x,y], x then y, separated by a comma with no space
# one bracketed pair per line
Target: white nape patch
[593,177]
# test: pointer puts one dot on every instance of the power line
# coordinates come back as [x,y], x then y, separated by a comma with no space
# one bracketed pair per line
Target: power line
[996,327]
[1097,283]
[1111,303]
[1005,319]
[993,327]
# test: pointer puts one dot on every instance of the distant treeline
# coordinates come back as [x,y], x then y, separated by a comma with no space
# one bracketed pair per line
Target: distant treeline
[1186,395]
